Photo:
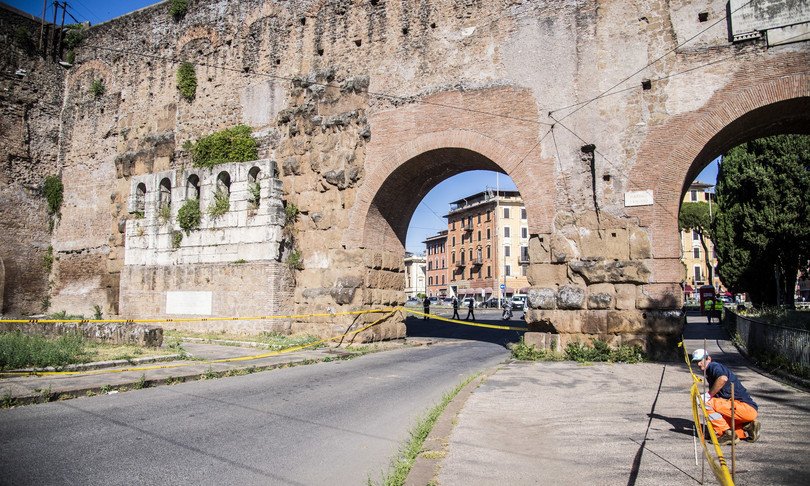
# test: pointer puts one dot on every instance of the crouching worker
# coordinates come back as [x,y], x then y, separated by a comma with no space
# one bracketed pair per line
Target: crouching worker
[718,402]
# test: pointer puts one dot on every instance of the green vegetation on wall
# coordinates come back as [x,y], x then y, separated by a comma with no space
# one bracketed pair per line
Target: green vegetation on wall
[97,88]
[178,9]
[177,238]
[189,216]
[231,145]
[187,80]
[221,204]
[53,189]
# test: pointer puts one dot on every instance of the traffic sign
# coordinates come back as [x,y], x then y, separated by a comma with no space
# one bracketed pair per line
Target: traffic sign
[503,286]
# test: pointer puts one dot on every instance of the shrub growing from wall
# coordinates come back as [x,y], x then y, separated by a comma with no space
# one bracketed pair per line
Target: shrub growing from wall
[188,216]
[53,189]
[231,145]
[187,80]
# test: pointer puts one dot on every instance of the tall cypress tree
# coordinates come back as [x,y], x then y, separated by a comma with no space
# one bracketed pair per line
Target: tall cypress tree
[761,233]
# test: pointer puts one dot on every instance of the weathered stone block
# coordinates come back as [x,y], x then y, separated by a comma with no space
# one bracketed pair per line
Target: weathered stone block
[570,297]
[543,340]
[344,289]
[614,271]
[600,300]
[562,249]
[659,296]
[542,298]
[665,322]
[625,296]
[540,249]
[606,243]
[625,322]
[593,322]
[547,274]
[640,247]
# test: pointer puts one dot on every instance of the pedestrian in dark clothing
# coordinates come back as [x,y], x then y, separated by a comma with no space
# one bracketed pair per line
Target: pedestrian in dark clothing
[470,310]
[426,305]
[455,309]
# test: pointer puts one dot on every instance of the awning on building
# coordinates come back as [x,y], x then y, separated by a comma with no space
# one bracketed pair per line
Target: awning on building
[524,290]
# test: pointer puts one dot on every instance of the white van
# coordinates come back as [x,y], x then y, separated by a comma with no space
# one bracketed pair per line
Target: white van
[519,301]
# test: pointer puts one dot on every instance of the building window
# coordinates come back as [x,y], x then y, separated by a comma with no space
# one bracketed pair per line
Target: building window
[506,231]
[488,235]
[453,257]
[479,218]
[696,252]
[698,274]
[693,196]
[507,251]
[695,235]
[469,221]
[524,233]
[471,254]
[479,235]
[443,263]
[488,216]
[442,279]
[524,270]
[522,213]
[430,280]
[489,271]
[505,213]
[507,270]
[524,253]
[453,225]
[461,254]
[430,265]
[489,252]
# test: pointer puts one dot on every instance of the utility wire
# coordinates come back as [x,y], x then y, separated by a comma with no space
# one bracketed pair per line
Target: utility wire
[588,102]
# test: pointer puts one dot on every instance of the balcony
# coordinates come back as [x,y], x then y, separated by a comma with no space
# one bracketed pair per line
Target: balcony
[460,264]
[477,262]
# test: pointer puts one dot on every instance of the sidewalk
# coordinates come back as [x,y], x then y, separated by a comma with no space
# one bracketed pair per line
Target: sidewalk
[617,424]
[33,389]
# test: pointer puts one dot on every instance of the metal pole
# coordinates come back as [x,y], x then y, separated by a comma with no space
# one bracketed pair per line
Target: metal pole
[55,7]
[61,31]
[705,424]
[42,25]
[733,434]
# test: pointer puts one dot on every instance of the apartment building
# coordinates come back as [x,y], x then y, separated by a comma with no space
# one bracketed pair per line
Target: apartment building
[436,259]
[485,246]
[415,278]
[692,251]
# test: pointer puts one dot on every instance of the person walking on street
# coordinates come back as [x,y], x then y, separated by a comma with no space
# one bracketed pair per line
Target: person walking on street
[718,402]
[455,308]
[426,306]
[470,310]
[708,309]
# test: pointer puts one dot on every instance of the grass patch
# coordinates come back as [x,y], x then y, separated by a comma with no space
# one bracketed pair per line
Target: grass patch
[528,352]
[18,350]
[221,204]
[403,463]
[230,145]
[599,351]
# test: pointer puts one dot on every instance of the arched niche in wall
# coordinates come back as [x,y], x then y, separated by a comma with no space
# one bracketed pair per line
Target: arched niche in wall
[193,187]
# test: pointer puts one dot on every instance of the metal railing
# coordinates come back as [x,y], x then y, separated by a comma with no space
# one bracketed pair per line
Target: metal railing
[762,338]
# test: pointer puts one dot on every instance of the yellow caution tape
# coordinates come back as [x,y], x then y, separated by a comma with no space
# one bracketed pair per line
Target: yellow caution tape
[388,313]
[718,466]
[195,319]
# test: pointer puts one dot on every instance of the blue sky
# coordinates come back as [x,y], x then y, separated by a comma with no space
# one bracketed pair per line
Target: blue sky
[96,11]
[426,220]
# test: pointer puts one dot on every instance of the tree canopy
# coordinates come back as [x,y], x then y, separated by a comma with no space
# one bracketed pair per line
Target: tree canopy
[761,232]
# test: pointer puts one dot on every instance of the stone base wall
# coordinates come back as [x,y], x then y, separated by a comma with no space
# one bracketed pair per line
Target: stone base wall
[107,332]
[221,290]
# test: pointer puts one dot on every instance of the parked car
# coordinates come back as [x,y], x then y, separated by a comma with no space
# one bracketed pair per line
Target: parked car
[519,301]
[466,302]
[434,300]
[412,301]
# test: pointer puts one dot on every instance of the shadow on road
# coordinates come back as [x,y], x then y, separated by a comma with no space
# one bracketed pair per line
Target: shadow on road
[434,328]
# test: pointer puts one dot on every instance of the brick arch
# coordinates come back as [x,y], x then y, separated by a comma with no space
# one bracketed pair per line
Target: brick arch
[394,187]
[101,68]
[197,32]
[675,153]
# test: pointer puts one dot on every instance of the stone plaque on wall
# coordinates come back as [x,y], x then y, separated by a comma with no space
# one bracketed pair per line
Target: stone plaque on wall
[189,303]
[749,18]
[638,198]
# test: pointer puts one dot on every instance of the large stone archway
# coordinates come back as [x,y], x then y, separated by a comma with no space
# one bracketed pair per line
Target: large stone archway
[676,152]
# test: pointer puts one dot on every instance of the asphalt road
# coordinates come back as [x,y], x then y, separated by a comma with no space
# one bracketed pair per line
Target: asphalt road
[329,423]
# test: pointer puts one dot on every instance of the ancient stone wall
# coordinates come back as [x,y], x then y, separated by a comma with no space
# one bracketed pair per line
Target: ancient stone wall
[30,105]
[367,105]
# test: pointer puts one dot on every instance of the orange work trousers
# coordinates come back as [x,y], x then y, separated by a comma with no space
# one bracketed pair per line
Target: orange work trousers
[719,410]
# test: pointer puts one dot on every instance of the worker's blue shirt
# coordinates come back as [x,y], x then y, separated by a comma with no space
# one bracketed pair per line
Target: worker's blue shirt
[715,370]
